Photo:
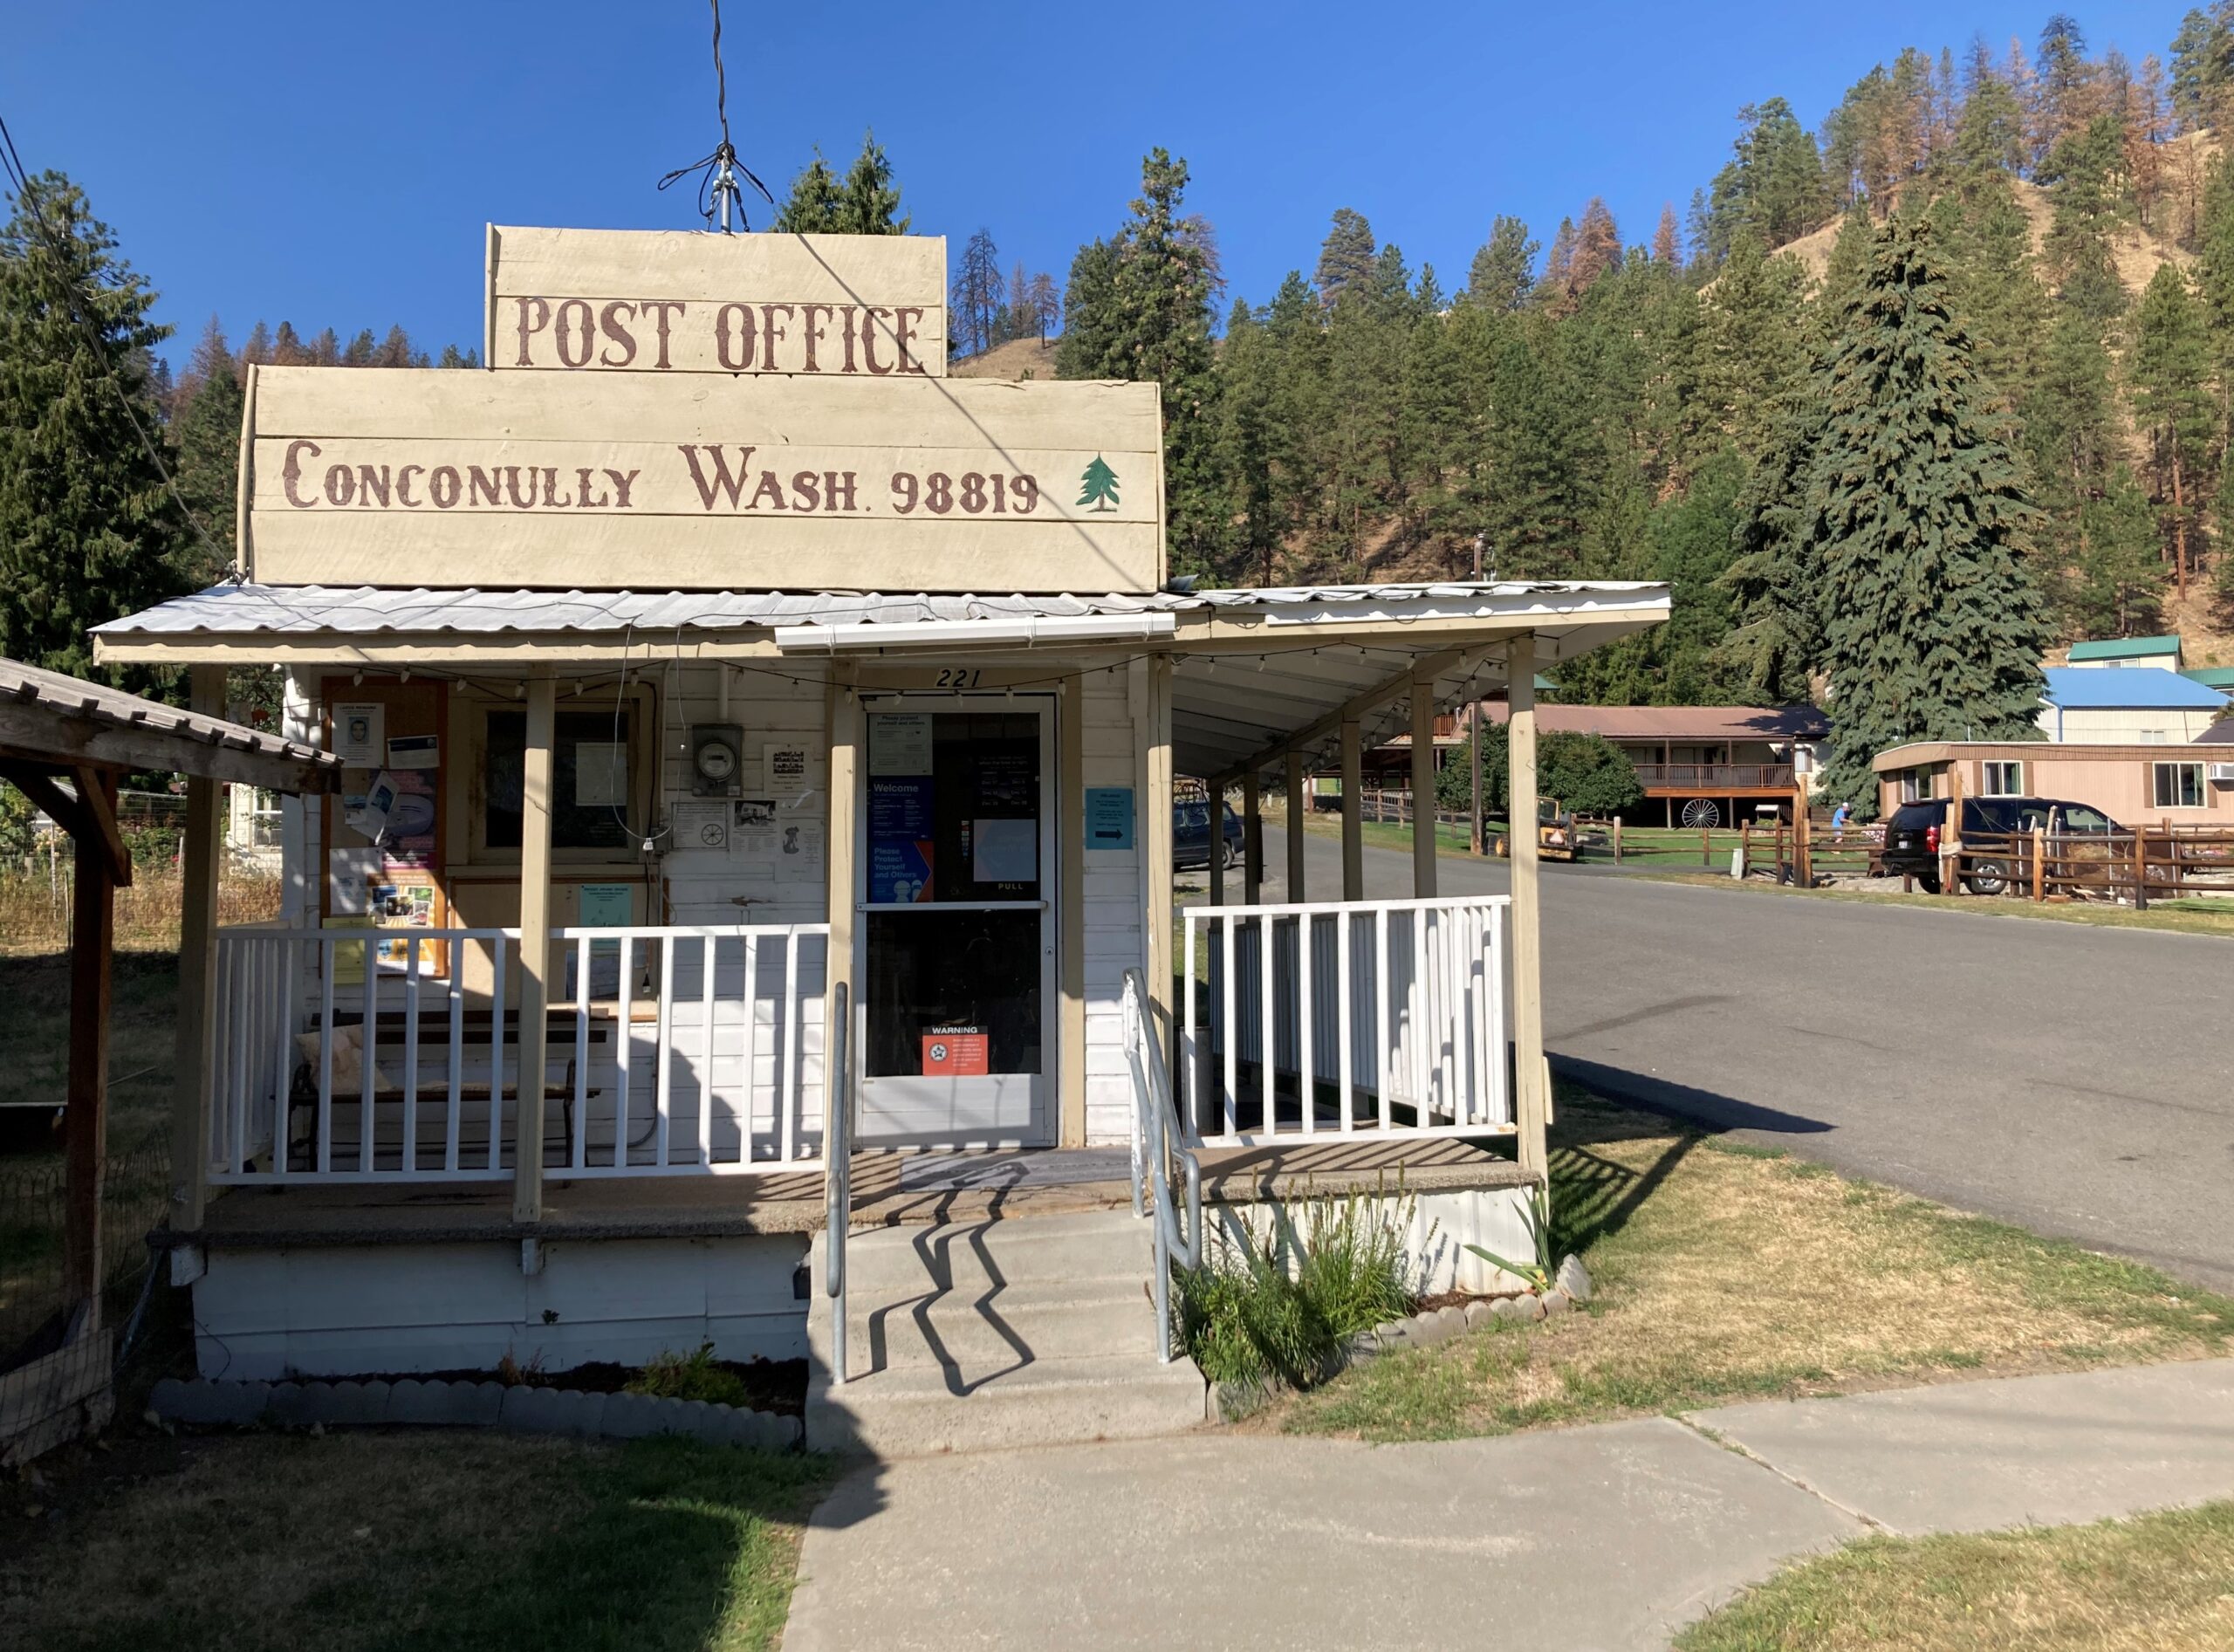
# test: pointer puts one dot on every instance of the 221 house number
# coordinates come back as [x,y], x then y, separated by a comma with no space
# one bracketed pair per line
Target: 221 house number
[957,676]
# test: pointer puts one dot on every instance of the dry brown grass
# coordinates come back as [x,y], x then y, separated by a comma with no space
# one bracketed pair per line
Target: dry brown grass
[271,1543]
[2191,914]
[2164,1582]
[35,908]
[1725,1272]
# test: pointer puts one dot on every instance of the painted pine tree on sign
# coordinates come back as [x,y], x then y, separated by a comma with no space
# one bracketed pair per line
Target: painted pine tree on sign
[1920,530]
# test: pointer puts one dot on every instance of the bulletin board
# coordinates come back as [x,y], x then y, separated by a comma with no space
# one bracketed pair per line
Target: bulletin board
[392,737]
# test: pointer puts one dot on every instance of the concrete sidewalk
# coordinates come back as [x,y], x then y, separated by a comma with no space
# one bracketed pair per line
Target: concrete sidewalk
[1610,1536]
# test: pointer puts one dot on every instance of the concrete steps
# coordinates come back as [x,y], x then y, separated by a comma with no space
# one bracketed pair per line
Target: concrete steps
[1029,1330]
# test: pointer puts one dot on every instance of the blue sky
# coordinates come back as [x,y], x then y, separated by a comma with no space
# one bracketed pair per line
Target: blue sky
[334,164]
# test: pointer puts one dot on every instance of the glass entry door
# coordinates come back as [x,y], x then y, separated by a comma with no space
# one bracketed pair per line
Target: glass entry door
[956,1024]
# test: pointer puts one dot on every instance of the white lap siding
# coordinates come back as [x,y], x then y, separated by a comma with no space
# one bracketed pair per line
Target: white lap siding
[1115,899]
[705,886]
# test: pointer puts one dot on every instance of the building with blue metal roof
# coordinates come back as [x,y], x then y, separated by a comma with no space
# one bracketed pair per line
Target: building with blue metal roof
[2084,705]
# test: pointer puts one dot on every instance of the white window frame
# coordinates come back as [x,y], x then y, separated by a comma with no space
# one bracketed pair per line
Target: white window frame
[2010,777]
[2159,773]
[1918,785]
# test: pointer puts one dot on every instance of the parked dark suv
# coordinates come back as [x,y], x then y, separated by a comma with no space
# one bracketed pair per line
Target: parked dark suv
[1190,835]
[1912,835]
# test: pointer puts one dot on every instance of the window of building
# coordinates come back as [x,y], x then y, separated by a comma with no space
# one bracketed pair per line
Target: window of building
[594,774]
[1916,785]
[2179,786]
[2004,779]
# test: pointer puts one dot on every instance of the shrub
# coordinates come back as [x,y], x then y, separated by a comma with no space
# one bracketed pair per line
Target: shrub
[694,1376]
[1246,1312]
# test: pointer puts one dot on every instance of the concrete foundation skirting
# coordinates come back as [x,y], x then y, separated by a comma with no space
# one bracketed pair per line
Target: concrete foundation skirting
[414,1403]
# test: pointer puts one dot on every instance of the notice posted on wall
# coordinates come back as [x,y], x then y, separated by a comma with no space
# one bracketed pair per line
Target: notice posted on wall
[900,742]
[901,859]
[359,734]
[792,771]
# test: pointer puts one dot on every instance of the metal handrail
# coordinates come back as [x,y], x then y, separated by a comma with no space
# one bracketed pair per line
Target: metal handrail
[1156,1139]
[837,1179]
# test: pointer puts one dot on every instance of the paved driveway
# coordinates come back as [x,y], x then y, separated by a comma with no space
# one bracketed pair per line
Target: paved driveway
[2080,1080]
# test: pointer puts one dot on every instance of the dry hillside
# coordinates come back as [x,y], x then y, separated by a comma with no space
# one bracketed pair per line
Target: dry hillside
[1018,359]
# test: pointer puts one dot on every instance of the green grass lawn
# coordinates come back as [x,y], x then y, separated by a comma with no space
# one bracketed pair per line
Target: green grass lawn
[2163,1581]
[410,1541]
[1725,1272]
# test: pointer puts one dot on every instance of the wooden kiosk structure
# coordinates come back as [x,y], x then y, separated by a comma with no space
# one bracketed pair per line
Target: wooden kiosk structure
[63,743]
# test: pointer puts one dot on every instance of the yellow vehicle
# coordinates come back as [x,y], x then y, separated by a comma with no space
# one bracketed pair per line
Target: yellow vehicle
[1556,838]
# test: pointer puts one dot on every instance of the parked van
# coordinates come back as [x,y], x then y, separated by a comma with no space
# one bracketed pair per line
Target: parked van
[1912,836]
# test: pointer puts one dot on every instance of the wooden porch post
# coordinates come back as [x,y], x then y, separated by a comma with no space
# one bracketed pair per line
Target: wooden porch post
[1298,802]
[1532,1106]
[535,949]
[93,923]
[843,714]
[1153,739]
[1070,928]
[1215,872]
[1423,798]
[1353,810]
[197,976]
[1252,838]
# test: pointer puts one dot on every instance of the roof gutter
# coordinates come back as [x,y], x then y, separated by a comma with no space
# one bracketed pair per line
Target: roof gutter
[867,637]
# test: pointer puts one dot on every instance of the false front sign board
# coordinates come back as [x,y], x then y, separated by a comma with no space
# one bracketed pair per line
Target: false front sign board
[680,301]
[411,477]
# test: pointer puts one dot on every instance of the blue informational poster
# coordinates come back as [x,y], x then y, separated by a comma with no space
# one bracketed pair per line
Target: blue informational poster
[900,838]
[1109,817]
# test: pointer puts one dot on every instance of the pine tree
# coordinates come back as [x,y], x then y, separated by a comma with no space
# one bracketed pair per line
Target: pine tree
[1504,270]
[207,431]
[2175,402]
[1751,347]
[1773,649]
[2083,177]
[978,297]
[1919,530]
[869,204]
[1159,328]
[814,202]
[87,531]
[1088,347]
[1667,241]
[1773,188]
[1345,257]
[2116,587]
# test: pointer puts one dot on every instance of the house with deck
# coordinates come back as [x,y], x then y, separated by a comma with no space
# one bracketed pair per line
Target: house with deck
[1702,764]
[746,914]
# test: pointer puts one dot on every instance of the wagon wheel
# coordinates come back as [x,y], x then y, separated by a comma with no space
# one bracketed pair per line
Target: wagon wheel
[1702,812]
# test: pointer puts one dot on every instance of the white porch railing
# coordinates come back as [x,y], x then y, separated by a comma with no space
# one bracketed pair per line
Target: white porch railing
[1390,1022]
[667,1051]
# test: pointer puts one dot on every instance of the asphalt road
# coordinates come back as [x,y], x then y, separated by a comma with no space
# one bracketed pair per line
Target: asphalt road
[2077,1080]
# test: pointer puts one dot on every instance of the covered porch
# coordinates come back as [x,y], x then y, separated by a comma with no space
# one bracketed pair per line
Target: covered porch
[716,960]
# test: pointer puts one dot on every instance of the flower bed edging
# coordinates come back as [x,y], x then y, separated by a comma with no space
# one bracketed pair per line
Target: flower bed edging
[521,1409]
[1230,1401]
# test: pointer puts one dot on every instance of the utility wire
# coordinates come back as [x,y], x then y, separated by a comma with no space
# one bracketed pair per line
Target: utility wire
[26,191]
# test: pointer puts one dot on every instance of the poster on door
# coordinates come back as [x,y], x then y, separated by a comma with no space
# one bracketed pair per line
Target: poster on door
[900,839]
[956,1052]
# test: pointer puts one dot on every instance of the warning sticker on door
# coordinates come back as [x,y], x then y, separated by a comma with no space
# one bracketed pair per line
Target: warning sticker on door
[956,1052]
